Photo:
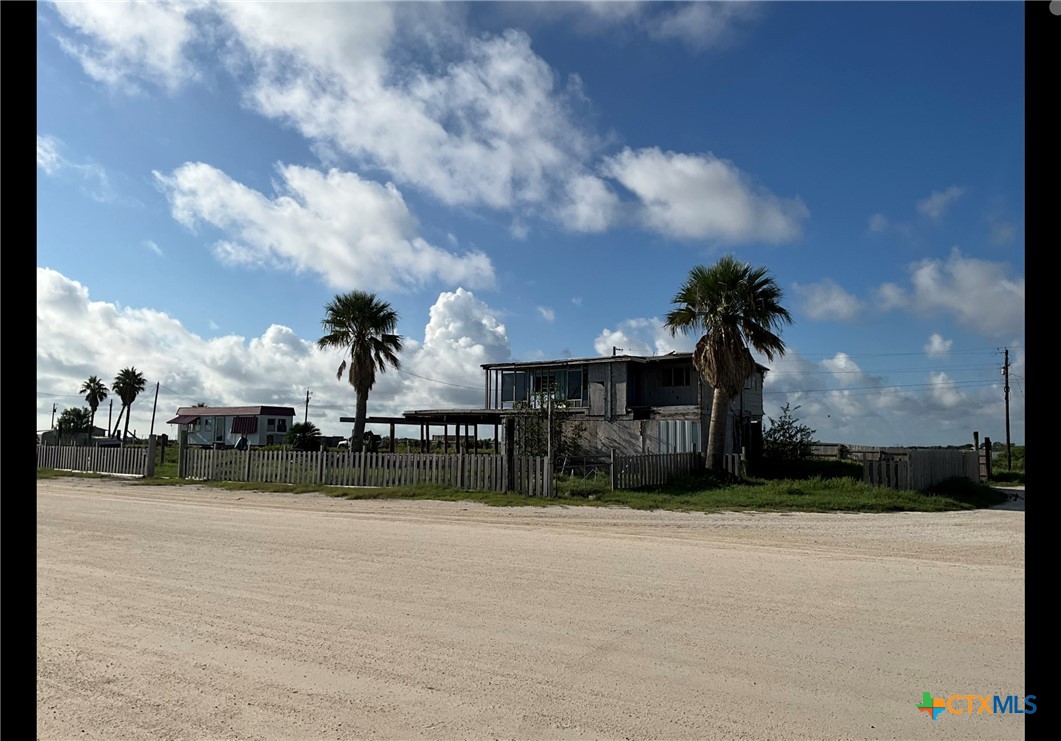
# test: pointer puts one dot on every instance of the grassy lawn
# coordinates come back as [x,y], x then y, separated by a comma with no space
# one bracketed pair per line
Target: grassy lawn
[832,491]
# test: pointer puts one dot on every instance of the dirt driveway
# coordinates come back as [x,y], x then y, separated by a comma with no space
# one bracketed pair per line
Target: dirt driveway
[194,613]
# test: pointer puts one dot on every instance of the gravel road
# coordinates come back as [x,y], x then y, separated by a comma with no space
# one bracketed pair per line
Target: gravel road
[189,612]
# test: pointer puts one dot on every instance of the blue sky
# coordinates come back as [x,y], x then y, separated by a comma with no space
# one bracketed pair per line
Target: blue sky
[532,180]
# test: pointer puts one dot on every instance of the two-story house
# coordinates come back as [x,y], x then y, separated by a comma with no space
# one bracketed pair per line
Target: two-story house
[633,404]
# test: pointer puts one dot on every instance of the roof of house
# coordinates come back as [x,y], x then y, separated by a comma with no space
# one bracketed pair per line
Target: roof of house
[671,356]
[186,415]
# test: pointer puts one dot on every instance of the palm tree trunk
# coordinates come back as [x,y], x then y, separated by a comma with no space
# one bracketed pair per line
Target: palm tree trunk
[125,432]
[359,422]
[716,436]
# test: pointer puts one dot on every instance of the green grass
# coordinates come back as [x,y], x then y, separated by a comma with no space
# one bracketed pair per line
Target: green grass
[693,494]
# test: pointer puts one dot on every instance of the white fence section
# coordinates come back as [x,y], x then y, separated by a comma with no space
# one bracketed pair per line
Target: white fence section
[487,472]
[633,471]
[91,459]
[920,469]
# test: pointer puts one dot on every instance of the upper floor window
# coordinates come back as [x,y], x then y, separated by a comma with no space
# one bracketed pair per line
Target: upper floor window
[281,425]
[676,376]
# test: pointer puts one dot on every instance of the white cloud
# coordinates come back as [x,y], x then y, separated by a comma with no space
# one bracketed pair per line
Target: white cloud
[699,25]
[944,392]
[78,337]
[577,301]
[472,119]
[48,158]
[703,197]
[150,244]
[121,41]
[935,206]
[354,233]
[547,314]
[642,336]
[589,205]
[878,222]
[826,301]
[937,346]
[90,177]
[984,296]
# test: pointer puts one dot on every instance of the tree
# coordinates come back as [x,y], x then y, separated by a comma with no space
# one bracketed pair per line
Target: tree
[787,439]
[127,385]
[533,428]
[303,436]
[95,392]
[736,307]
[362,325]
[74,422]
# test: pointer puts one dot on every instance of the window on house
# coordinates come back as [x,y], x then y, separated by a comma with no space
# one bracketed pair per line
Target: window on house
[674,377]
[281,425]
[750,383]
[270,424]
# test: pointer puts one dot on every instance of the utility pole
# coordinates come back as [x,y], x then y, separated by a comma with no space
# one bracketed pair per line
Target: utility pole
[617,349]
[1005,374]
[306,420]
[110,411]
[53,415]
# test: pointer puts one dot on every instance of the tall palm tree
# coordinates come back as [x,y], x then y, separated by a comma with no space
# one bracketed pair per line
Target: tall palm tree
[362,325]
[95,392]
[127,385]
[735,306]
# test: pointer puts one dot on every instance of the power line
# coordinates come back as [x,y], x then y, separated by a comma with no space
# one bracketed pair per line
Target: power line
[871,389]
[435,380]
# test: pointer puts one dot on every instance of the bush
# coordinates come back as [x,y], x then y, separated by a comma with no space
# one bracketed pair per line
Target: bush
[787,439]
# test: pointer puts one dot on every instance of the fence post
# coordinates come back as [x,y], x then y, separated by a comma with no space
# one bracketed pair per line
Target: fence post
[460,466]
[149,461]
[549,490]
[182,449]
[510,454]
[987,455]
[611,469]
[247,466]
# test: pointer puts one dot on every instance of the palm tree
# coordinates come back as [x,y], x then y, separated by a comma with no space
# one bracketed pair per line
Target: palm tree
[95,392]
[361,324]
[735,306]
[303,436]
[127,385]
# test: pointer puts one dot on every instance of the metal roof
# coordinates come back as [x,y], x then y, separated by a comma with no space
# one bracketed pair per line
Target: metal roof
[671,356]
[237,411]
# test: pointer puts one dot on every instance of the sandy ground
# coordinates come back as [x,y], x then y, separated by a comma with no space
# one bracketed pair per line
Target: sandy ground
[194,613]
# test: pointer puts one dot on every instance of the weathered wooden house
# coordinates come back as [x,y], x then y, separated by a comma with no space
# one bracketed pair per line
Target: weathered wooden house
[633,404]
[223,426]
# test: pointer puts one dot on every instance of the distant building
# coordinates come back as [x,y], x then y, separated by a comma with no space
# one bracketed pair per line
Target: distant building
[212,426]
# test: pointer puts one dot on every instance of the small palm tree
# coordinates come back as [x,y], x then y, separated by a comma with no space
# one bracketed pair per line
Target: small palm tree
[735,306]
[303,436]
[360,324]
[127,385]
[95,392]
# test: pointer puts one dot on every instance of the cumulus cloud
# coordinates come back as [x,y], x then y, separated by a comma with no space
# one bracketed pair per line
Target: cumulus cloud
[472,119]
[937,346]
[642,336]
[354,233]
[962,287]
[78,337]
[703,197]
[118,42]
[935,206]
[826,301]
[588,205]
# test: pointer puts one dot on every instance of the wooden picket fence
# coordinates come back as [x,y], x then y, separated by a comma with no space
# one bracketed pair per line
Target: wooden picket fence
[919,469]
[92,459]
[486,472]
[635,471]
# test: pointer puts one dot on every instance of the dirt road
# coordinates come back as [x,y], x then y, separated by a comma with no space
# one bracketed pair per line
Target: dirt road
[195,613]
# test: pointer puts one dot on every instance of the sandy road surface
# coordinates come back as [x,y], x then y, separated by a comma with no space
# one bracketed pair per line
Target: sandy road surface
[195,613]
